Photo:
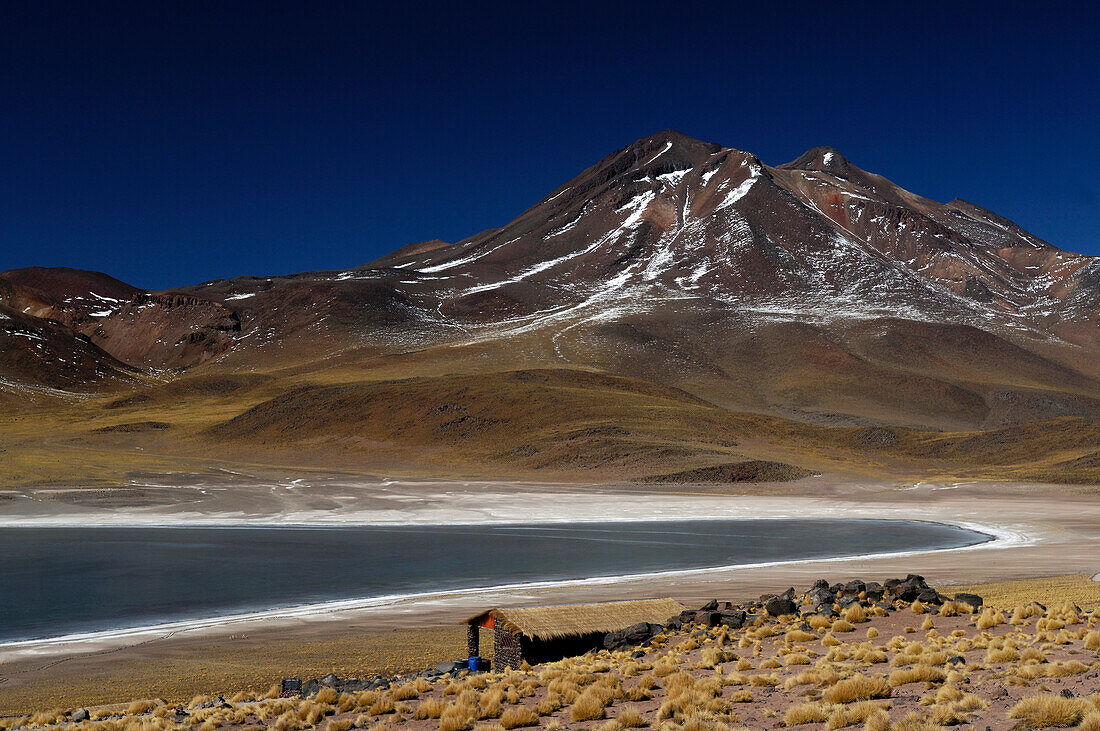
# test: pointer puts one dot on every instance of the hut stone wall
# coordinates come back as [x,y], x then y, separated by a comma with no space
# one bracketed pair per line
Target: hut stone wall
[507,651]
[473,640]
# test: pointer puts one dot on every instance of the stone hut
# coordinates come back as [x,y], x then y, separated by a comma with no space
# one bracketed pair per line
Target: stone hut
[545,634]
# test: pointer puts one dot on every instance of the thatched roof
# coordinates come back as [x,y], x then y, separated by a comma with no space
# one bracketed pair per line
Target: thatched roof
[569,620]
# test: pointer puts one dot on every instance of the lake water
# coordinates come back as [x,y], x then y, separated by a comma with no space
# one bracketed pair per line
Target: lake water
[56,581]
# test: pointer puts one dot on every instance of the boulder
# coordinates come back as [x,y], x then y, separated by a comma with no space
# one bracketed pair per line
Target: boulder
[820,584]
[930,596]
[780,605]
[854,587]
[80,714]
[330,679]
[909,588]
[674,623]
[291,686]
[710,606]
[732,618]
[447,667]
[708,619]
[974,601]
[633,635]
[874,591]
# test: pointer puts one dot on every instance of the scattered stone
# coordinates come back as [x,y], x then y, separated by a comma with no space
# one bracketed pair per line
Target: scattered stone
[973,600]
[732,618]
[780,605]
[633,635]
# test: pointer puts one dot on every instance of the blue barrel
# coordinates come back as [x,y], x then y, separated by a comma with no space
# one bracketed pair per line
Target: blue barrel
[474,662]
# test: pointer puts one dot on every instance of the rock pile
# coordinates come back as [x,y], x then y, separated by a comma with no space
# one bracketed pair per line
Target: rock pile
[822,598]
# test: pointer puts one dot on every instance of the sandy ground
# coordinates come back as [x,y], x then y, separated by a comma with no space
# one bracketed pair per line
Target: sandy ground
[1040,531]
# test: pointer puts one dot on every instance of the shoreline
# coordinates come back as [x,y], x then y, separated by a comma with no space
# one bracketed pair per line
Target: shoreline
[1041,530]
[993,538]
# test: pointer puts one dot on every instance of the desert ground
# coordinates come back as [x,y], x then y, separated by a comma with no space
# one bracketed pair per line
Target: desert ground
[1039,531]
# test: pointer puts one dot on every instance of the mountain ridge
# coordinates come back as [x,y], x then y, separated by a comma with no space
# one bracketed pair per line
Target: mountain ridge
[812,290]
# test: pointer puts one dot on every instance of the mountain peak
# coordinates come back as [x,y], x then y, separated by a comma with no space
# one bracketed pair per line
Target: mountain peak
[674,141]
[823,159]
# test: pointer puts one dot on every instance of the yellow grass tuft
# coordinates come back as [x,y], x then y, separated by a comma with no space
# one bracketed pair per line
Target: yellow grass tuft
[877,721]
[845,716]
[855,614]
[326,695]
[1001,655]
[806,713]
[519,717]
[858,688]
[1043,711]
[629,717]
[406,692]
[917,674]
[430,708]
[340,724]
[842,626]
[458,717]
[589,706]
[139,707]
[797,635]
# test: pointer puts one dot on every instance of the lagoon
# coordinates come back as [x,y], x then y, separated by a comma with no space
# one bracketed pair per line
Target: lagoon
[58,581]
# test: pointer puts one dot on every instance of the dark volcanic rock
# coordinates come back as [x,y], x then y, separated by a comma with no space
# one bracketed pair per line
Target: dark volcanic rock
[633,635]
[973,600]
[732,618]
[780,605]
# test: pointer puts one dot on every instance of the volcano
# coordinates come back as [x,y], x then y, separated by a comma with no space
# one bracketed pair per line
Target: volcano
[812,291]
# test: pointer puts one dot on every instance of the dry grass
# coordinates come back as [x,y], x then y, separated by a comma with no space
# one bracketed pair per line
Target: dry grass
[518,717]
[855,614]
[858,688]
[1080,590]
[254,664]
[1044,711]
[917,674]
[837,689]
[804,713]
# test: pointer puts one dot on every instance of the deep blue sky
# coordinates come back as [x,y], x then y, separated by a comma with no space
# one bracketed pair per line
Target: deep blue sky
[173,142]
